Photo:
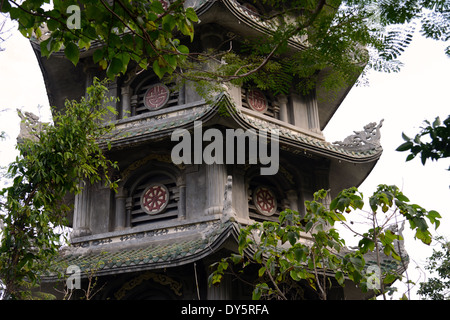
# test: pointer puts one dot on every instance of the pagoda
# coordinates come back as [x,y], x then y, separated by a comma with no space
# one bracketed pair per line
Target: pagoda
[156,237]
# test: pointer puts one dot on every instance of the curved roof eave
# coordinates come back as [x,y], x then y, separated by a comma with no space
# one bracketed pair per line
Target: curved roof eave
[104,255]
[201,111]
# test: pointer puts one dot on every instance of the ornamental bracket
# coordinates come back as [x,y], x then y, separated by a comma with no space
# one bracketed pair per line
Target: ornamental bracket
[368,139]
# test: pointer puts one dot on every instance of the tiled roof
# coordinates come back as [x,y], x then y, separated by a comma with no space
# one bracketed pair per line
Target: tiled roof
[298,137]
[177,251]
[144,126]
[150,255]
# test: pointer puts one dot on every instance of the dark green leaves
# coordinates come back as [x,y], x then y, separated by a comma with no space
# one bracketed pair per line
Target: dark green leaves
[48,168]
[72,52]
[307,248]
[140,31]
[437,145]
[115,67]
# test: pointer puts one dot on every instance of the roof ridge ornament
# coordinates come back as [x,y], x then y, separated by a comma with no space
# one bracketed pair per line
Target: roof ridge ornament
[368,139]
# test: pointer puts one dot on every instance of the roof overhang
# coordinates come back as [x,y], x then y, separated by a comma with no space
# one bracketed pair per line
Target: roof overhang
[348,167]
[124,251]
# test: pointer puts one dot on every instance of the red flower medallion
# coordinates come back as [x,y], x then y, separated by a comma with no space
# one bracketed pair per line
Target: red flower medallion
[156,96]
[257,100]
[155,198]
[265,201]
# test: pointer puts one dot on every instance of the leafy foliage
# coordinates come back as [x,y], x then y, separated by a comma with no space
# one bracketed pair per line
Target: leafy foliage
[437,146]
[432,15]
[341,36]
[310,249]
[50,166]
[438,288]
[140,31]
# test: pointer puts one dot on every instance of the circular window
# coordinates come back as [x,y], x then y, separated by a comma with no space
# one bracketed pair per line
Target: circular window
[257,100]
[265,201]
[155,198]
[156,96]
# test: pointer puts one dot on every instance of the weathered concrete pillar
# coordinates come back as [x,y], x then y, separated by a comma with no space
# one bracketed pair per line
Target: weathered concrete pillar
[81,214]
[216,178]
[133,104]
[292,199]
[313,114]
[128,207]
[126,101]
[181,197]
[282,102]
[120,213]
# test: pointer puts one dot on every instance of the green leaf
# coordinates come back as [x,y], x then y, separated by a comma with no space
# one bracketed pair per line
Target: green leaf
[433,216]
[308,226]
[299,254]
[257,292]
[157,70]
[128,41]
[98,55]
[405,137]
[296,275]
[261,271]
[191,15]
[292,237]
[183,49]
[390,278]
[114,68]
[339,278]
[168,23]
[157,7]
[236,258]
[72,52]
[424,236]
[405,146]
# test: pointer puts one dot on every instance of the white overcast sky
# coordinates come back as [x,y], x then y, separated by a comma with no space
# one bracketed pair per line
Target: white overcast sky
[420,91]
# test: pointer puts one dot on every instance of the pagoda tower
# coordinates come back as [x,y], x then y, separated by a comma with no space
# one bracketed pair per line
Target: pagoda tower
[170,220]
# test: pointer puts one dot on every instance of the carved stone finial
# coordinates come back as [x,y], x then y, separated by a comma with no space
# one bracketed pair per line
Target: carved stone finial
[369,139]
[228,209]
[29,126]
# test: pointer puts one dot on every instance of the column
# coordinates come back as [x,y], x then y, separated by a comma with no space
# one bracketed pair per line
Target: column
[120,213]
[282,102]
[181,95]
[216,178]
[126,101]
[81,213]
[292,199]
[181,197]
[313,114]
[128,208]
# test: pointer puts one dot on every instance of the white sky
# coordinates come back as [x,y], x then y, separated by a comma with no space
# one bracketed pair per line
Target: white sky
[420,91]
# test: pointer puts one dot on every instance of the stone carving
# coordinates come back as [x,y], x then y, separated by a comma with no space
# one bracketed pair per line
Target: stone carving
[29,126]
[369,139]
[228,210]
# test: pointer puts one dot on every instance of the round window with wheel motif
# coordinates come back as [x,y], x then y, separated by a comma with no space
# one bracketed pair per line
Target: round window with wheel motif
[156,96]
[265,201]
[155,198]
[257,100]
